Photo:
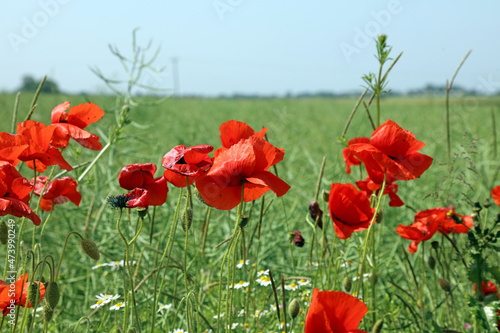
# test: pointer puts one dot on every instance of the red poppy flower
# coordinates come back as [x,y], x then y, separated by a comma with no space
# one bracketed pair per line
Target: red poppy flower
[244,163]
[334,312]
[11,146]
[495,193]
[487,288]
[142,176]
[21,285]
[14,194]
[349,157]
[428,222]
[182,162]
[56,192]
[349,209]
[368,186]
[72,124]
[138,197]
[393,149]
[40,150]
[233,131]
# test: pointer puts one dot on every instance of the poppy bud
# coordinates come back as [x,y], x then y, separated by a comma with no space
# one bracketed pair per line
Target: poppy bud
[435,245]
[198,197]
[187,219]
[445,285]
[298,240]
[432,262]
[316,213]
[294,308]
[326,196]
[52,294]
[377,327]
[3,232]
[47,312]
[477,207]
[347,283]
[142,212]
[379,217]
[90,248]
[33,293]
[243,222]
[486,203]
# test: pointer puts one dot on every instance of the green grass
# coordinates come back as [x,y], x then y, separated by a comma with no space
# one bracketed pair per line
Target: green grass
[307,129]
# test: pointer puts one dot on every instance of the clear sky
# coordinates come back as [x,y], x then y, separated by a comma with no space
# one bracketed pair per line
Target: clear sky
[252,46]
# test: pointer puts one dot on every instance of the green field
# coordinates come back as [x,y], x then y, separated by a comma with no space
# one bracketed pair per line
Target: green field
[308,130]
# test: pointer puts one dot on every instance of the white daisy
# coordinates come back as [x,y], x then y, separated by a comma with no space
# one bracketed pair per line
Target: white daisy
[260,313]
[273,307]
[178,330]
[233,326]
[241,284]
[103,299]
[263,272]
[99,265]
[264,280]
[366,276]
[242,263]
[304,282]
[117,306]
[220,315]
[165,307]
[291,286]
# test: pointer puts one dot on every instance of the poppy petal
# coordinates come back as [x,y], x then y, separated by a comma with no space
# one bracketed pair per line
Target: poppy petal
[176,179]
[216,192]
[495,193]
[15,207]
[266,178]
[233,131]
[158,191]
[84,114]
[59,114]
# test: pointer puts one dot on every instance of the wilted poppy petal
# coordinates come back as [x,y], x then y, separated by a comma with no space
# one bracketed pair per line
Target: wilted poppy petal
[59,114]
[138,198]
[15,207]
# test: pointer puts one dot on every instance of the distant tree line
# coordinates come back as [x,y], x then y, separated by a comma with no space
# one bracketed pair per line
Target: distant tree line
[30,84]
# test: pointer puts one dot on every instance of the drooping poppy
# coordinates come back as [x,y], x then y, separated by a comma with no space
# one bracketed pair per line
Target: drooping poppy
[349,209]
[233,131]
[14,194]
[334,312]
[19,295]
[390,189]
[40,152]
[349,158]
[56,192]
[488,288]
[316,213]
[430,221]
[243,164]
[72,124]
[393,149]
[182,162]
[142,176]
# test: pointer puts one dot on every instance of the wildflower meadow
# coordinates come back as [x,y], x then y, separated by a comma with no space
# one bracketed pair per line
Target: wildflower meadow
[139,213]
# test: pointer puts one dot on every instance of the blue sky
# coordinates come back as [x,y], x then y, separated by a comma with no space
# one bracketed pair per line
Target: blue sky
[252,46]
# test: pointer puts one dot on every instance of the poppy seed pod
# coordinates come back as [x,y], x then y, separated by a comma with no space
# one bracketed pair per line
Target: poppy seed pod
[432,262]
[294,308]
[243,222]
[142,212]
[187,219]
[347,283]
[3,232]
[52,294]
[47,312]
[326,195]
[377,327]
[33,292]
[445,285]
[90,248]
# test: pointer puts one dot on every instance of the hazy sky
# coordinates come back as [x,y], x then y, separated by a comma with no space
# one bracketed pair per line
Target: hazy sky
[252,46]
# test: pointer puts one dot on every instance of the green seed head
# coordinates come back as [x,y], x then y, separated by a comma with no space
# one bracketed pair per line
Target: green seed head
[187,219]
[294,308]
[33,293]
[52,294]
[347,283]
[47,312]
[90,248]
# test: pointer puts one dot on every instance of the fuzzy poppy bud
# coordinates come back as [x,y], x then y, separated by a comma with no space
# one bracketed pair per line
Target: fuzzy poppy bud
[142,212]
[377,327]
[347,283]
[294,308]
[445,285]
[316,213]
[380,217]
[52,294]
[4,232]
[198,197]
[243,222]
[47,312]
[33,293]
[90,248]
[187,219]
[432,262]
